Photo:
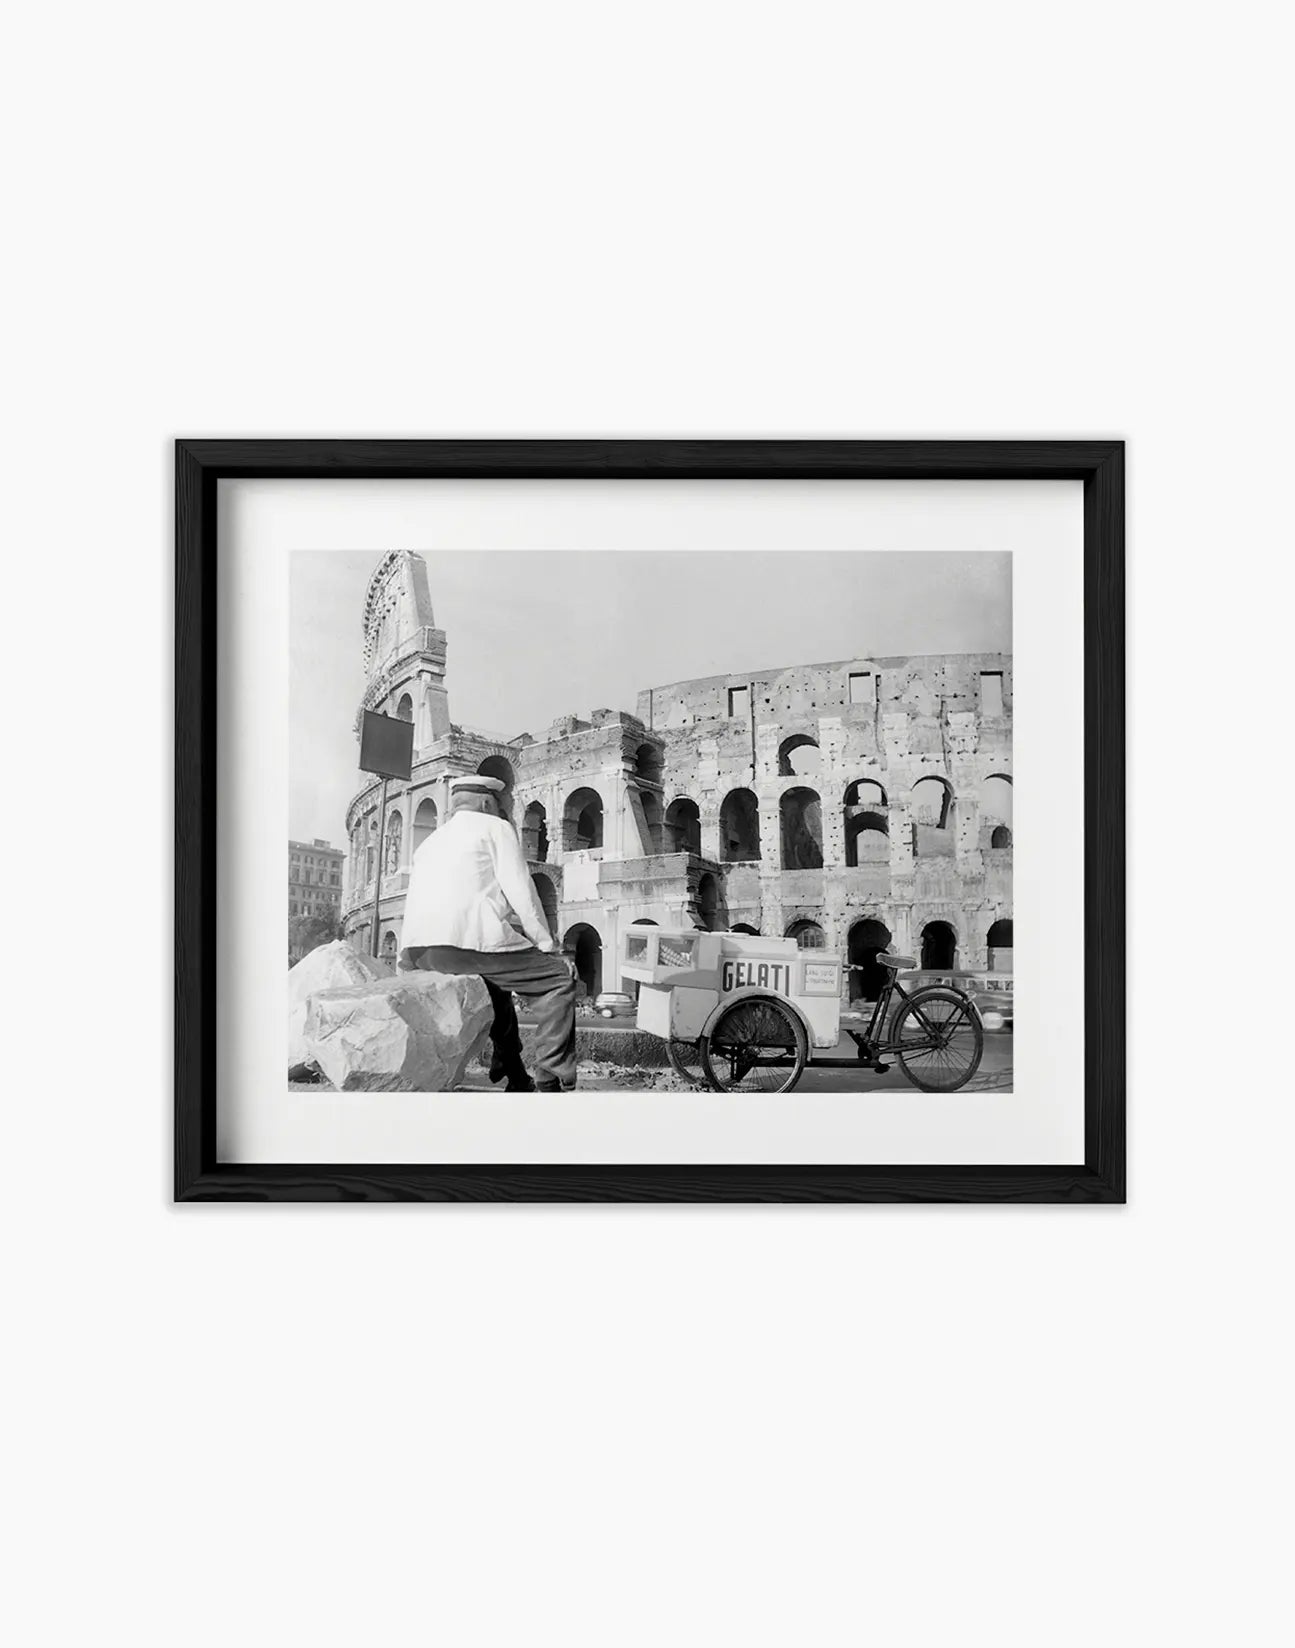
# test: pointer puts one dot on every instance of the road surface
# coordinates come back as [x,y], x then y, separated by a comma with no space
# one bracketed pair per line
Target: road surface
[994,1075]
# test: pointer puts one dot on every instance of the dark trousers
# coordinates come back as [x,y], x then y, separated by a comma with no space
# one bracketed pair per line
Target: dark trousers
[546,981]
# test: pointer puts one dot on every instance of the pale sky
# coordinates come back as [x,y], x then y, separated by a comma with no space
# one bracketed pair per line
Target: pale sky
[532,636]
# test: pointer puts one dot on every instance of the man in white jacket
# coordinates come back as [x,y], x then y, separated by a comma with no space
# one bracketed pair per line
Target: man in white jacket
[472,908]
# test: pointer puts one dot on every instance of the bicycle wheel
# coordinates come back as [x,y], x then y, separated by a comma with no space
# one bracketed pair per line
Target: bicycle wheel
[757,1046]
[938,1040]
[685,1061]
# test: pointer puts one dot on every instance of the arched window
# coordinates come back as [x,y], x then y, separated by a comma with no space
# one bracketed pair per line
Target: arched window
[996,799]
[683,826]
[1000,836]
[802,830]
[743,927]
[998,942]
[585,948]
[548,897]
[939,947]
[405,708]
[739,827]
[424,821]
[582,821]
[395,831]
[865,801]
[799,755]
[866,793]
[388,946]
[808,935]
[535,833]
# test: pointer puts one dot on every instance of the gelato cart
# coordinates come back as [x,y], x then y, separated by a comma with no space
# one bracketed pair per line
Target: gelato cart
[742,1013]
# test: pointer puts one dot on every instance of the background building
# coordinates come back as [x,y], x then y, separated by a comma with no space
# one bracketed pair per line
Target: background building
[314,888]
[852,805]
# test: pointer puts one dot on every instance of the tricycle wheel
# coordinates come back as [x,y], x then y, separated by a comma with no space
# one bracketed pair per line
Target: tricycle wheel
[938,1039]
[685,1061]
[756,1046]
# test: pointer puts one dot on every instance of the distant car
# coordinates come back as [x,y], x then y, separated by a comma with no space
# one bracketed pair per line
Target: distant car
[991,993]
[613,1004]
[993,1001]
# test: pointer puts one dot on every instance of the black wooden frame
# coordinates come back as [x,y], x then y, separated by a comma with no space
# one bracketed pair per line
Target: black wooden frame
[201,464]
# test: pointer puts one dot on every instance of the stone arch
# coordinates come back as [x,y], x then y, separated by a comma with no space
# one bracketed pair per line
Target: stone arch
[801,816]
[865,804]
[644,921]
[739,827]
[547,894]
[498,766]
[744,927]
[866,793]
[799,756]
[388,948]
[683,826]
[939,947]
[405,708]
[582,821]
[584,945]
[866,939]
[535,832]
[996,793]
[425,821]
[808,935]
[998,945]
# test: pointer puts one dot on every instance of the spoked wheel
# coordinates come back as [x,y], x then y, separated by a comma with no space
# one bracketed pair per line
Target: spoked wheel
[938,1039]
[685,1061]
[757,1046]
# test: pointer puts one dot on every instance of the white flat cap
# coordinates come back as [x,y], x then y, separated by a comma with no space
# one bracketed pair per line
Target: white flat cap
[478,781]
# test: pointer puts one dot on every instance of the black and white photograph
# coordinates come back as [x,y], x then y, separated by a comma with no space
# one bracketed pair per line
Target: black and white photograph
[652,821]
[732,558]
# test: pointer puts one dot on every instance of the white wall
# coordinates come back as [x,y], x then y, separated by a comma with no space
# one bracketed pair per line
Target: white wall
[622,1426]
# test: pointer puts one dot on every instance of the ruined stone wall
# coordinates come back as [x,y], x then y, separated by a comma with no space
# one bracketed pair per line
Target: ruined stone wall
[831,794]
[884,725]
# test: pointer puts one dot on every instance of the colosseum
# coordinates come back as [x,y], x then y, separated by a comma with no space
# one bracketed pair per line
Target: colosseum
[851,805]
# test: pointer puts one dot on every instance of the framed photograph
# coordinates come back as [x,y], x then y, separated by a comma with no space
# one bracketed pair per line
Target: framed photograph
[663,821]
